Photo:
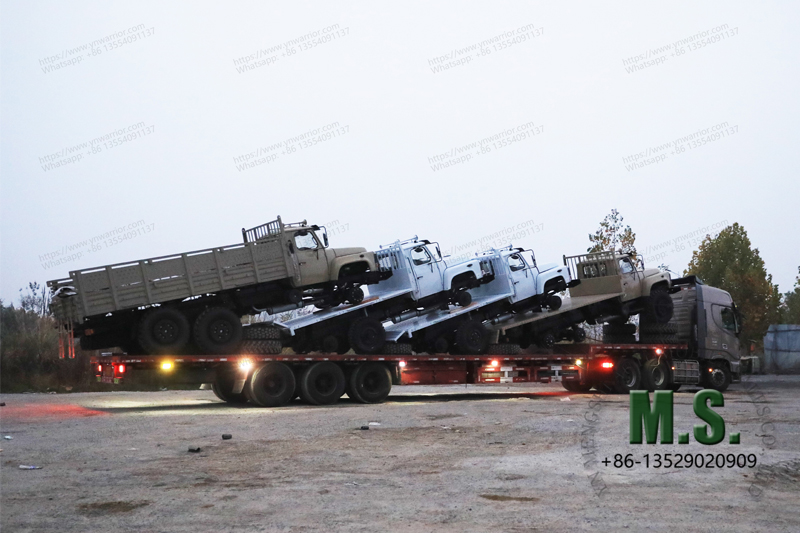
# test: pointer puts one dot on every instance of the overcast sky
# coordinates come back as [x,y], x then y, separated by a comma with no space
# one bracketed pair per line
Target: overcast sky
[451,120]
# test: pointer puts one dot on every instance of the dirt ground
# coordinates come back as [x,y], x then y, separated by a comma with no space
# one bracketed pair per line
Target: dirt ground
[449,458]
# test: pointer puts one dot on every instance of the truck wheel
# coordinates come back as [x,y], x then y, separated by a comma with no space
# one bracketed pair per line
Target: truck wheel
[217,331]
[163,330]
[650,328]
[224,379]
[271,385]
[656,375]
[355,295]
[659,307]
[578,335]
[554,302]
[301,343]
[294,296]
[463,298]
[370,383]
[366,335]
[718,378]
[471,338]
[440,345]
[322,383]
[546,340]
[627,376]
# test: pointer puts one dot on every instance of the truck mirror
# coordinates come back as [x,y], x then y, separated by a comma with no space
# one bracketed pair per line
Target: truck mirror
[325,238]
[291,247]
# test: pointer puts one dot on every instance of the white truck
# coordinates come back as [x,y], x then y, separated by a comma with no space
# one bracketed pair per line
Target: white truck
[421,283]
[519,285]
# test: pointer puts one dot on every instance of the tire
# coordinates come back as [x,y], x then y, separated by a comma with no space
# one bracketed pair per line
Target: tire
[660,307]
[370,383]
[440,345]
[224,379]
[271,385]
[554,302]
[355,295]
[217,330]
[546,340]
[627,376]
[575,386]
[471,338]
[656,375]
[366,335]
[258,332]
[619,329]
[578,335]
[322,383]
[397,348]
[294,296]
[261,347]
[719,378]
[163,330]
[463,298]
[503,349]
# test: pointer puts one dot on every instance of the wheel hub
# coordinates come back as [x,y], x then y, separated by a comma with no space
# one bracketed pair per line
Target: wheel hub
[165,331]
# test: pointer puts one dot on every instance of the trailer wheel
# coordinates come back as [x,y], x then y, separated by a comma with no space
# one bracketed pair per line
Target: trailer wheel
[366,335]
[554,302]
[322,383]
[163,330]
[217,331]
[370,383]
[471,338]
[656,375]
[355,295]
[224,379]
[718,378]
[627,376]
[660,306]
[271,385]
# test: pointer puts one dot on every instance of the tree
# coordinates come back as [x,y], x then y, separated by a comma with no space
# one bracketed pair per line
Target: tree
[729,262]
[791,304]
[612,235]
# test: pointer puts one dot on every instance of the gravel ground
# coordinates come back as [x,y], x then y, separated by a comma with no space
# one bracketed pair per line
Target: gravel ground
[446,458]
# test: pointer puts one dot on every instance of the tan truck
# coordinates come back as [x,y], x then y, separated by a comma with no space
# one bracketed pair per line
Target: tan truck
[638,290]
[194,300]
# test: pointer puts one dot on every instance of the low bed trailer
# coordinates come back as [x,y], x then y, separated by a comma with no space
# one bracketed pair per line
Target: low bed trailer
[321,379]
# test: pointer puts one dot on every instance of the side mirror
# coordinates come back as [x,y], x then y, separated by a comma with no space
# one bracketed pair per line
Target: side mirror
[325,238]
[291,247]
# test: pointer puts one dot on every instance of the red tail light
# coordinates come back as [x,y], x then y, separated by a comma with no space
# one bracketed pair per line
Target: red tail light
[607,364]
[121,369]
[100,368]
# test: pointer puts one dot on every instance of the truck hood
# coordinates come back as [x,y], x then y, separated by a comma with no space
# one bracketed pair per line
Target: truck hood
[340,252]
[652,272]
[547,266]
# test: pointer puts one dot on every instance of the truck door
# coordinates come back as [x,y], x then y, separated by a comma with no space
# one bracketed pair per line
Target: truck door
[631,280]
[522,278]
[723,336]
[427,272]
[311,258]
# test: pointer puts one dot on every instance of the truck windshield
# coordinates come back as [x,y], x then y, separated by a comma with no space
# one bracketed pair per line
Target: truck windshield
[304,240]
